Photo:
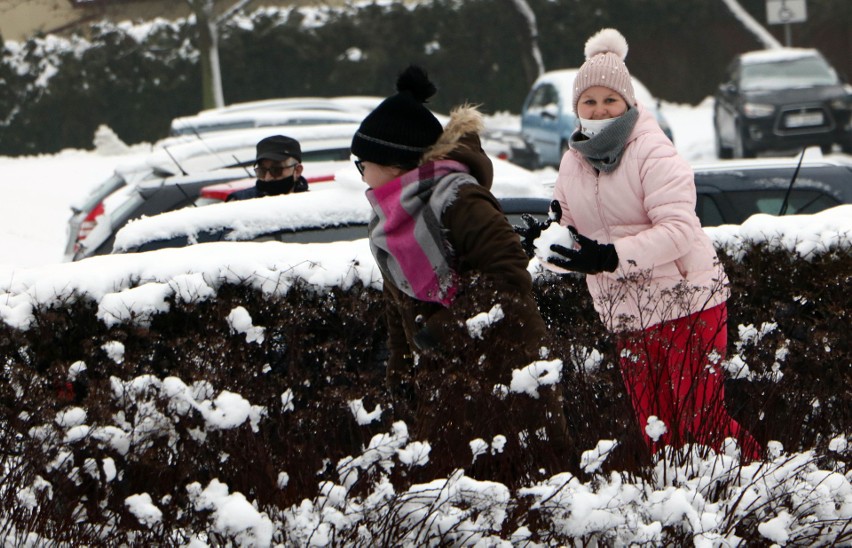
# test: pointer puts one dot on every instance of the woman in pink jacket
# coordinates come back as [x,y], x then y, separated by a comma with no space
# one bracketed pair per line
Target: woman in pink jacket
[654,277]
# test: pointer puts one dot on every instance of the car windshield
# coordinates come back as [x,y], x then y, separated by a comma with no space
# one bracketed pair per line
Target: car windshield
[800,72]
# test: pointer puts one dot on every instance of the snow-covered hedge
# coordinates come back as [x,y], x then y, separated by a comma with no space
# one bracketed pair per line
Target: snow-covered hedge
[245,403]
[56,91]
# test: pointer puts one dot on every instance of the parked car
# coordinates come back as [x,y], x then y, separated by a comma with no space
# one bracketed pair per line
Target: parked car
[176,173]
[547,115]
[335,211]
[727,193]
[781,99]
[732,191]
[354,103]
[226,122]
[156,196]
[508,144]
[501,142]
[293,111]
[327,215]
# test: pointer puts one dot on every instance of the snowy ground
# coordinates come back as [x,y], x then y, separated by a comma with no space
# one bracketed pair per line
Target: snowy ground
[38,190]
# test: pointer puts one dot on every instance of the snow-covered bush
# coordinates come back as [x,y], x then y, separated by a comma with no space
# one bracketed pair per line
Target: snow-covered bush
[180,429]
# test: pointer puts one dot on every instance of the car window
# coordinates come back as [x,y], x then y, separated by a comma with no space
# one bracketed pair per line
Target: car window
[805,71]
[177,241]
[121,202]
[515,219]
[319,235]
[801,201]
[337,233]
[100,192]
[546,94]
[708,211]
[326,155]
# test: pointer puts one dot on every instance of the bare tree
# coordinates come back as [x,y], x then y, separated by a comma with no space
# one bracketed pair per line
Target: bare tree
[533,64]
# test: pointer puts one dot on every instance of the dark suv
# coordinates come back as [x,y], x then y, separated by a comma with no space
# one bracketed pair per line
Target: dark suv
[781,99]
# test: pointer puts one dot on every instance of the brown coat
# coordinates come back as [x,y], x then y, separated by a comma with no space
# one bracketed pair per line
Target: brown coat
[457,388]
[487,256]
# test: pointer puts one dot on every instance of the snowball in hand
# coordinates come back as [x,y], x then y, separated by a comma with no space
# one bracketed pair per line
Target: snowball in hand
[555,234]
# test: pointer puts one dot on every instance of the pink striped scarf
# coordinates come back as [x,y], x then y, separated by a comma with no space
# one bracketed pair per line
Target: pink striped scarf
[406,234]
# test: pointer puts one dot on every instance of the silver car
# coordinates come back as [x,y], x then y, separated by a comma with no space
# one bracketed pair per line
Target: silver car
[166,179]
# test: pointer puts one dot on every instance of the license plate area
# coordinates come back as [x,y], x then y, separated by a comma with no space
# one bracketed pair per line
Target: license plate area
[806,119]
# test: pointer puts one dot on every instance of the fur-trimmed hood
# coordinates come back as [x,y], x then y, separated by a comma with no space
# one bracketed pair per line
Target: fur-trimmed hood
[460,142]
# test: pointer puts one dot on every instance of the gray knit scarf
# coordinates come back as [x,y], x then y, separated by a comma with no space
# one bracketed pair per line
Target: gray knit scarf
[604,150]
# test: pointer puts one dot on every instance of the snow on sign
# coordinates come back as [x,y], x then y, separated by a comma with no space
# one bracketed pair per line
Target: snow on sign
[786,11]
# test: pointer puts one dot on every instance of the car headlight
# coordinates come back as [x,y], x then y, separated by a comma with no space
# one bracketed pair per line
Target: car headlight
[757,110]
[841,104]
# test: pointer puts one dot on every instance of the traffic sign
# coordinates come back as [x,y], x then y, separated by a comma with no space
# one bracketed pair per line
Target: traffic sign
[786,11]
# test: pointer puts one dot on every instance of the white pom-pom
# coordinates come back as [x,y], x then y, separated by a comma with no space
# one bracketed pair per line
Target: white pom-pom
[606,41]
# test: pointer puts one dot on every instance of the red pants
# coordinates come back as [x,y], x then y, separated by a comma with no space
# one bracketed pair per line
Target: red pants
[673,370]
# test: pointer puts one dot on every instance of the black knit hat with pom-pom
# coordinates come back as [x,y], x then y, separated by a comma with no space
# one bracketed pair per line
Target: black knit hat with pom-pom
[401,128]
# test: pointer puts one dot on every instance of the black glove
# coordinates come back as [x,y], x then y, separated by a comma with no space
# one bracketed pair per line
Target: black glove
[534,227]
[591,258]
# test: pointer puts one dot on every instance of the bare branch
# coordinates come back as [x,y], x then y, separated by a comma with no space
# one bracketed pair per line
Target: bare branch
[523,7]
[751,24]
[231,11]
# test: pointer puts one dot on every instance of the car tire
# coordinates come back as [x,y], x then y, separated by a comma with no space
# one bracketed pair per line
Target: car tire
[846,144]
[722,152]
[534,161]
[740,148]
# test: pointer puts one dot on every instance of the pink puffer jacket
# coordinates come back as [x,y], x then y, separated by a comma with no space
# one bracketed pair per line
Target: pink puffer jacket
[667,265]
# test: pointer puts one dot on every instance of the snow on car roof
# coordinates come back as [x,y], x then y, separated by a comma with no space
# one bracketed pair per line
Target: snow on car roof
[262,118]
[333,204]
[349,103]
[218,150]
[775,55]
[813,157]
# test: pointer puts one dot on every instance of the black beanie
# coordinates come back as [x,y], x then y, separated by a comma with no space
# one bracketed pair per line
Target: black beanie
[401,128]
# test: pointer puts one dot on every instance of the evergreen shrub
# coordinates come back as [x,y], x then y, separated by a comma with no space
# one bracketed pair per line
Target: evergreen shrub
[135,78]
[84,426]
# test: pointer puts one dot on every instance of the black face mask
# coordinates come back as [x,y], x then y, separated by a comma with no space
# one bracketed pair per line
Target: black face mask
[276,187]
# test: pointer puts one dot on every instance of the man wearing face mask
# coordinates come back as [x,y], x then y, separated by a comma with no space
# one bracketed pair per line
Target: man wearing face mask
[278,167]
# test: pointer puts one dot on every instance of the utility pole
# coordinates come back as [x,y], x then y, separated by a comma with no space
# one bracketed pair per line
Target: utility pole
[212,95]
